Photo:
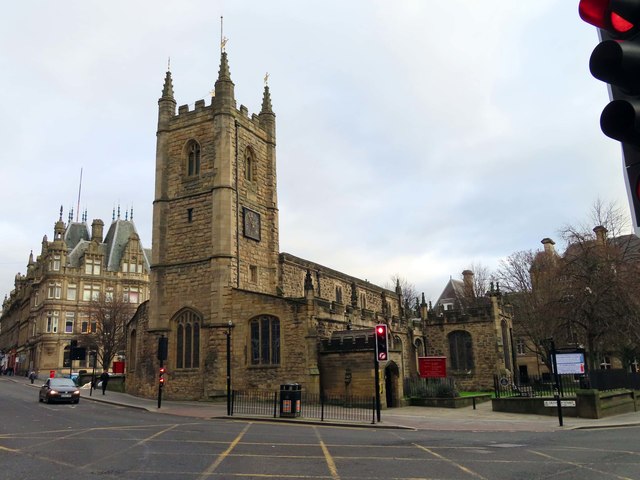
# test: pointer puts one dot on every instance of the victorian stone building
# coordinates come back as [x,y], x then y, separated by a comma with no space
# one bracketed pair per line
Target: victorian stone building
[47,308]
[217,273]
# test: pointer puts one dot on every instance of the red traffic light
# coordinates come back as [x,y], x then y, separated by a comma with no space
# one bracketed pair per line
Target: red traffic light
[381,343]
[162,370]
[615,16]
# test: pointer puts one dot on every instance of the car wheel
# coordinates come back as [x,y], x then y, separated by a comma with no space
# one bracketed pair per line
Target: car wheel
[77,401]
[48,399]
[40,399]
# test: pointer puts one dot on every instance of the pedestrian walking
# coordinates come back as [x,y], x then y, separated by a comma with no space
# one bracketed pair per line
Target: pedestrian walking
[104,378]
[32,376]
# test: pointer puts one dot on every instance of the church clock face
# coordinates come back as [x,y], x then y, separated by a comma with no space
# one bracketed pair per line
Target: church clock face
[251,224]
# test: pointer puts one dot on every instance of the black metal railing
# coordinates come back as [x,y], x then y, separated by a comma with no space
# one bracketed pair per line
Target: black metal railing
[338,407]
[268,403]
[254,402]
[543,386]
[614,379]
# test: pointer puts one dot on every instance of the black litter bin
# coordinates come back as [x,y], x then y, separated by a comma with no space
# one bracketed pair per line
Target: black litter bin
[290,400]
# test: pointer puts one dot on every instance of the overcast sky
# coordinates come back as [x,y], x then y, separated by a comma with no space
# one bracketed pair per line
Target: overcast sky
[413,137]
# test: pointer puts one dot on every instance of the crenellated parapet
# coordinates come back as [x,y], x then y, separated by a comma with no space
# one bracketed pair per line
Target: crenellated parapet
[349,342]
[187,113]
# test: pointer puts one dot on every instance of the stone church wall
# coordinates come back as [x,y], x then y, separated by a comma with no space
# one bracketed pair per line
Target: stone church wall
[486,358]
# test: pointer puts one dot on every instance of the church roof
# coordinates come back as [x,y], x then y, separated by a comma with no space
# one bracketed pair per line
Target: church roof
[453,292]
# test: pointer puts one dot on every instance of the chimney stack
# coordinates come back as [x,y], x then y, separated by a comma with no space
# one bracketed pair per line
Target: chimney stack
[96,230]
[467,279]
[601,235]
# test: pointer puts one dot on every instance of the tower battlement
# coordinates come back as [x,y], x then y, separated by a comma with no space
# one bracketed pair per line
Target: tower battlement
[200,107]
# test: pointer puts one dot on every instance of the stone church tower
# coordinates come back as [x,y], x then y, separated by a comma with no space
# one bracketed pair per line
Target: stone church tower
[215,214]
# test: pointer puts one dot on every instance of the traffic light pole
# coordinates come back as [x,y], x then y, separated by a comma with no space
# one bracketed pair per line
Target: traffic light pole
[376,370]
[229,369]
[160,385]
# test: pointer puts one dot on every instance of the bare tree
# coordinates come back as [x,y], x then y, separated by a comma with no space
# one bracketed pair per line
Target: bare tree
[585,296]
[409,291]
[108,316]
[600,276]
[529,279]
[482,278]
[609,215]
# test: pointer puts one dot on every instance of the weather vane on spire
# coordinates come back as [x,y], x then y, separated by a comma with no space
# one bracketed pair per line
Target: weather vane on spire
[169,64]
[266,79]
[223,39]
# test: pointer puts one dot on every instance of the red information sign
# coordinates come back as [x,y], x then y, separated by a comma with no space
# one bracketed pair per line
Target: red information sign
[432,367]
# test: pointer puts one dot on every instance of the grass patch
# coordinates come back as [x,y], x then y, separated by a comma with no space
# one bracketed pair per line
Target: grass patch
[471,394]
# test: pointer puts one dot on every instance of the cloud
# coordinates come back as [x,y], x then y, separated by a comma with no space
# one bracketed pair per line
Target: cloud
[413,137]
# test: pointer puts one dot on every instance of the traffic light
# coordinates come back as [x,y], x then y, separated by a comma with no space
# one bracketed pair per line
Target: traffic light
[163,348]
[382,353]
[161,376]
[616,61]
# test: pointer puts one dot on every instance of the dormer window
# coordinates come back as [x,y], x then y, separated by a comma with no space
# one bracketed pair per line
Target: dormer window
[193,158]
[92,266]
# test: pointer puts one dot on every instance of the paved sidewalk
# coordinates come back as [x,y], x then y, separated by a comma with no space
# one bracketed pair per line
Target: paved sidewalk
[421,418]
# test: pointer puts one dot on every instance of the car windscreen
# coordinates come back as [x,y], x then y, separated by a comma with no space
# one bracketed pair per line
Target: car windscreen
[62,382]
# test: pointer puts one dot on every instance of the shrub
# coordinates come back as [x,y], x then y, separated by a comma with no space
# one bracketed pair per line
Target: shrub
[446,391]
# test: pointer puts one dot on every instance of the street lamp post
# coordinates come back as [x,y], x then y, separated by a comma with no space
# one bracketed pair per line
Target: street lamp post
[229,326]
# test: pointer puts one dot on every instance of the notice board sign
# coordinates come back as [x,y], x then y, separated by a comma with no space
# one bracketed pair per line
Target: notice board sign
[570,363]
[432,367]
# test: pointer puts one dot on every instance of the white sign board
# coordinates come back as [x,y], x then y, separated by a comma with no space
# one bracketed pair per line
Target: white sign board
[563,403]
[570,363]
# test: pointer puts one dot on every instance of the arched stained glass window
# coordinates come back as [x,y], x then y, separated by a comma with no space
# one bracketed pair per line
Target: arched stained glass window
[193,158]
[265,340]
[461,350]
[188,340]
[249,165]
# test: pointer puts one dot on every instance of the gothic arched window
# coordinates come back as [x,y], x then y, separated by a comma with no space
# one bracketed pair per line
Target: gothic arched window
[461,351]
[193,158]
[249,165]
[265,340]
[188,340]
[419,345]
